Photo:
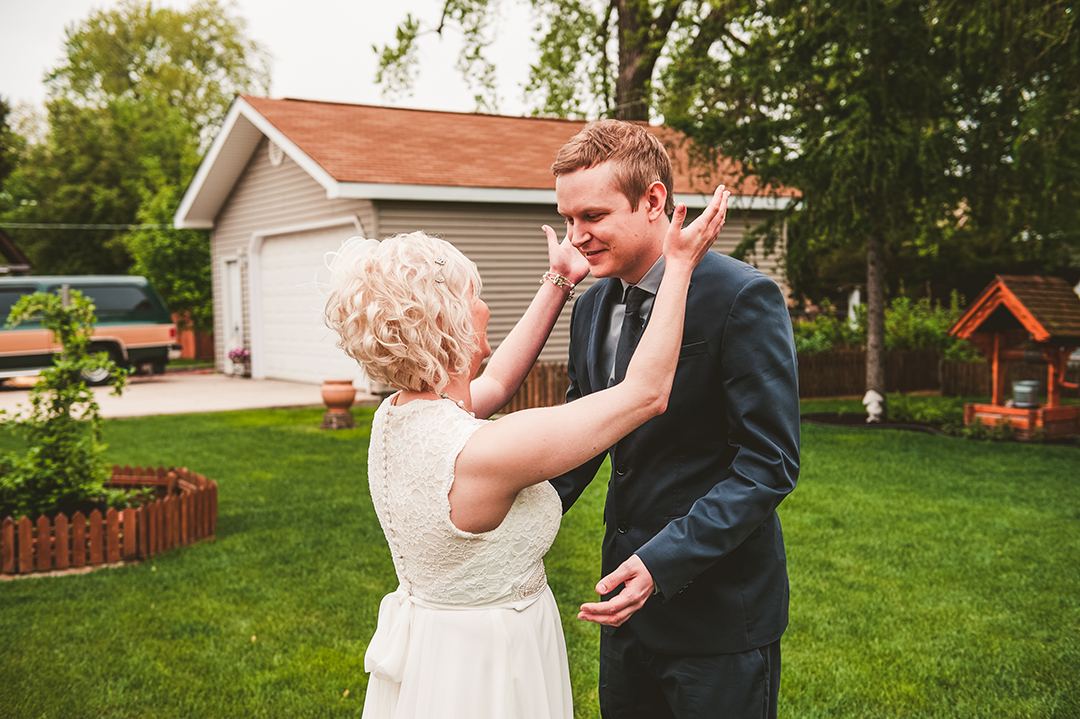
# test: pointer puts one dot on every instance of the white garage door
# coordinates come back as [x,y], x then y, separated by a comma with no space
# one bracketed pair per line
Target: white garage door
[296,345]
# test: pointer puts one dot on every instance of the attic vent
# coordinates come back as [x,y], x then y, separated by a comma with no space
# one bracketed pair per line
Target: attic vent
[276,154]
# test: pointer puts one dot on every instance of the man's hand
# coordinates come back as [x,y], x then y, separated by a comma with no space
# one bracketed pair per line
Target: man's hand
[615,611]
[564,259]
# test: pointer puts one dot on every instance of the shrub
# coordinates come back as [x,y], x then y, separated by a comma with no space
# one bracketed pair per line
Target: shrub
[825,331]
[63,468]
[908,326]
[929,409]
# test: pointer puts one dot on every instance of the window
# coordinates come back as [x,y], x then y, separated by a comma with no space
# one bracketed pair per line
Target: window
[117,301]
[8,297]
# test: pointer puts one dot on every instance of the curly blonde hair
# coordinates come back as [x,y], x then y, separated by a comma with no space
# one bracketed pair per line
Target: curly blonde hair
[402,308]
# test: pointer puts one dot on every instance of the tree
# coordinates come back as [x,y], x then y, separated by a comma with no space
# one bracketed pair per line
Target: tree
[893,118]
[91,170]
[132,106]
[11,144]
[176,262]
[195,60]
[596,58]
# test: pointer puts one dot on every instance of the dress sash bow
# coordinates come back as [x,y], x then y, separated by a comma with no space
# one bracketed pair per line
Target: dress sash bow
[388,650]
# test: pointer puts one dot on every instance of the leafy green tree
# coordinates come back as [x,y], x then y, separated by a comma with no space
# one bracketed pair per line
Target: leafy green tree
[195,60]
[64,466]
[91,170]
[11,144]
[596,58]
[132,106]
[891,119]
[177,262]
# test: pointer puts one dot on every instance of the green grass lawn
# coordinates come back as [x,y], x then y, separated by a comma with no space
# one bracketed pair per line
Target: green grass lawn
[931,577]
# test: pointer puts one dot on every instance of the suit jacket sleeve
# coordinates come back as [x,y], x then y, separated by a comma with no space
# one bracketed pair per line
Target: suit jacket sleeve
[759,385]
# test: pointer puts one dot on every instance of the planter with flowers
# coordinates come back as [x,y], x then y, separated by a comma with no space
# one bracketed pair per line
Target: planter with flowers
[240,361]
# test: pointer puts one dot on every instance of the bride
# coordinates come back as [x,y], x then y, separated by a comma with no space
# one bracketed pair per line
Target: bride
[472,631]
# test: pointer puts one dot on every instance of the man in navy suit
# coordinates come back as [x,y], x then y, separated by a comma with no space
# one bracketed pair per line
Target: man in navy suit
[695,589]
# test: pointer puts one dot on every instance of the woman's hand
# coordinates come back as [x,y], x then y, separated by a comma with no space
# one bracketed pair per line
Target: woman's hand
[564,259]
[692,242]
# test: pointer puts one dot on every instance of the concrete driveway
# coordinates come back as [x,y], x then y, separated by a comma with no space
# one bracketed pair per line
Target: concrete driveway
[187,392]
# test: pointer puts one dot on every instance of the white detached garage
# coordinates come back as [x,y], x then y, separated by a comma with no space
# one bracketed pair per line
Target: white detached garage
[287,181]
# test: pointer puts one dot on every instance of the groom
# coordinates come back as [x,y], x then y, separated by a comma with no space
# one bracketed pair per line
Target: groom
[695,592]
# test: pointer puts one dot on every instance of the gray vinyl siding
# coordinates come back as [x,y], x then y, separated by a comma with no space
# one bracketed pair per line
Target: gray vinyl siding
[267,198]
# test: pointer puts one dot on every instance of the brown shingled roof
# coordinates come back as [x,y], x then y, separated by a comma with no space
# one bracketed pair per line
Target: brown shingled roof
[368,144]
[1047,307]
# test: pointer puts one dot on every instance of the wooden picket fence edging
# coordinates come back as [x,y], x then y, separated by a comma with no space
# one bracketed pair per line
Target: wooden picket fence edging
[183,511]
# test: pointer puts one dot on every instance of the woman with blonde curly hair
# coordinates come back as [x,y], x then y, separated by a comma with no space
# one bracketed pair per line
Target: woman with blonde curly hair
[472,631]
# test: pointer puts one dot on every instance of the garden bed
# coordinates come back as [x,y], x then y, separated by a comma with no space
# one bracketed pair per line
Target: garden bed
[182,511]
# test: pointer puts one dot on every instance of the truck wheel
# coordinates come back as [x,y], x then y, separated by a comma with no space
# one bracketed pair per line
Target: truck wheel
[98,377]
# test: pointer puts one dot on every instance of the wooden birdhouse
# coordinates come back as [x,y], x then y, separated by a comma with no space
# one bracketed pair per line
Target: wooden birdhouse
[1025,318]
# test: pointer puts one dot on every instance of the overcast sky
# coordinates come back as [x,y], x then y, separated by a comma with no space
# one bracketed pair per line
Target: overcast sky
[321,48]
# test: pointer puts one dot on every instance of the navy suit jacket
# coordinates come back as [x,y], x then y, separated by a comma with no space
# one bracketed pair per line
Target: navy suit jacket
[694,491]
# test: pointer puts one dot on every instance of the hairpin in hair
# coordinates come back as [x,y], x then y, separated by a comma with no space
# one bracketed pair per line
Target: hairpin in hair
[439,279]
[440,261]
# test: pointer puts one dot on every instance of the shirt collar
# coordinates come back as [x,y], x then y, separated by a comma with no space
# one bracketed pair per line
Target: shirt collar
[650,282]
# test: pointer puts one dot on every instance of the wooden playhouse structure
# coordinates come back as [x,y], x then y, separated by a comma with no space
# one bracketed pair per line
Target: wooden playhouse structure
[1033,319]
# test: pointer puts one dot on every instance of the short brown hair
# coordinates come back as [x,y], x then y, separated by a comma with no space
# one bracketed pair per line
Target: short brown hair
[638,158]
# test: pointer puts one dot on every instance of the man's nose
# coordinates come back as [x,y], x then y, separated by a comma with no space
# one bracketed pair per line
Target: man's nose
[578,236]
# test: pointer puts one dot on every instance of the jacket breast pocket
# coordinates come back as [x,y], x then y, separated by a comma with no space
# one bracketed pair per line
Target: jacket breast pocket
[692,349]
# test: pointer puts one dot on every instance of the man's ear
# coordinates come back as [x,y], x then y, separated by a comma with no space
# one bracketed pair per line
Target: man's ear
[656,200]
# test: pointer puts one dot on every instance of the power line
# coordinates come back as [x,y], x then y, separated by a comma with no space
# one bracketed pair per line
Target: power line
[68,226]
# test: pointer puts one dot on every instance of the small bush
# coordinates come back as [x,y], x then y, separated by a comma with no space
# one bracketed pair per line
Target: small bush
[1001,431]
[908,326]
[825,331]
[928,409]
[64,467]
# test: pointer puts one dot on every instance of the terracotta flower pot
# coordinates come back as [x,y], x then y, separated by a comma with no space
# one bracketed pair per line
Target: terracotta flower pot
[338,395]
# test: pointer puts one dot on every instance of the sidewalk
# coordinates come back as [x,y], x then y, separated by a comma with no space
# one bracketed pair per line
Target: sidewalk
[187,392]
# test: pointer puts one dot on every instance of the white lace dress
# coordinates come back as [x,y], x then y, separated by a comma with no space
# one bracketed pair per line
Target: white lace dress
[472,631]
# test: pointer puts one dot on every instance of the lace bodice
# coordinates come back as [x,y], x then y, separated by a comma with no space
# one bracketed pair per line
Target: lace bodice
[411,462]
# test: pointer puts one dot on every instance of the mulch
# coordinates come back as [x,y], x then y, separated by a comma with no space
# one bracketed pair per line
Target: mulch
[858,420]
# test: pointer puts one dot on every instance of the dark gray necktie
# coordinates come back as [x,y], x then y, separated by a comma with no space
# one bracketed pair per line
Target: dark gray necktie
[632,326]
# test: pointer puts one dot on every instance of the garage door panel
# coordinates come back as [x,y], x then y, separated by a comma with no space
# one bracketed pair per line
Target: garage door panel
[296,344]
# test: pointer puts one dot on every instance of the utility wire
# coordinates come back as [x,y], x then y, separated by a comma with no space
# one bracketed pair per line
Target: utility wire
[67,226]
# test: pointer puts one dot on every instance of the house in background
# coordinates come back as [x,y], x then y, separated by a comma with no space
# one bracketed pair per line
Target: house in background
[286,181]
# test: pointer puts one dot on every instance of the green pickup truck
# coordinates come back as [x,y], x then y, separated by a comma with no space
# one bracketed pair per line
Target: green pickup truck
[133,324]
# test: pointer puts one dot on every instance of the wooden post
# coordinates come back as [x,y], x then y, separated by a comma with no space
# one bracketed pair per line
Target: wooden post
[7,546]
[112,543]
[61,550]
[130,550]
[998,373]
[26,545]
[43,551]
[96,555]
[1056,362]
[78,540]
[151,528]
[142,521]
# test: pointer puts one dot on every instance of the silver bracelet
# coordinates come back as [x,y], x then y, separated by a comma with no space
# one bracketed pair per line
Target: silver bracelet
[561,282]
